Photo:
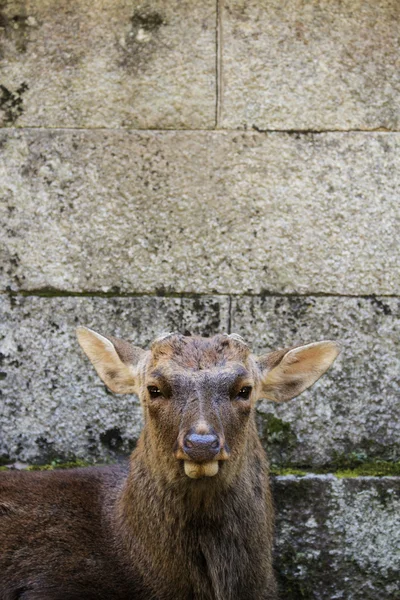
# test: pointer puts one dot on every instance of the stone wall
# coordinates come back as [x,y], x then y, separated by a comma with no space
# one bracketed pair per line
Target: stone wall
[222,165]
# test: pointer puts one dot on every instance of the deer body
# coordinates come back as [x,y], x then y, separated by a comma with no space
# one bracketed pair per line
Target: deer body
[56,539]
[191,518]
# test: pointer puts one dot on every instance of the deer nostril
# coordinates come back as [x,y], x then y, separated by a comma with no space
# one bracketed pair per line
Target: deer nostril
[201,447]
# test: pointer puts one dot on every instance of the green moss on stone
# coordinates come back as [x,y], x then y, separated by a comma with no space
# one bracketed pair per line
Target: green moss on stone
[288,471]
[351,460]
[277,426]
[276,432]
[368,469]
[60,465]
[372,469]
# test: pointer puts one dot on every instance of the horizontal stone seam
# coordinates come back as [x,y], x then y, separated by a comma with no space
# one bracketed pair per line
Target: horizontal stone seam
[50,293]
[327,477]
[332,477]
[310,131]
[377,470]
[253,129]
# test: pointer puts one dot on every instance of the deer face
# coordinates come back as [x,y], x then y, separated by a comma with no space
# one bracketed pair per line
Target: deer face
[199,394]
[199,398]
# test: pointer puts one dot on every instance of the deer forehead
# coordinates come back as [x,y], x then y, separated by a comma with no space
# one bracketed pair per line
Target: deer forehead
[198,352]
[217,376]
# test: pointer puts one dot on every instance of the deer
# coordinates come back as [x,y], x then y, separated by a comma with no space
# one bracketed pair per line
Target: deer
[191,517]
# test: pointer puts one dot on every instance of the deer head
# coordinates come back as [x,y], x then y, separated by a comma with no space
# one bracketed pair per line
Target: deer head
[199,394]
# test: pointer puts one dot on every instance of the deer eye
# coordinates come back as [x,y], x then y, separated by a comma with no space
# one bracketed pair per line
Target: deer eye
[154,391]
[245,392]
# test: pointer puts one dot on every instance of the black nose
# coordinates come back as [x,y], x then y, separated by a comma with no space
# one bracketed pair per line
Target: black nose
[201,448]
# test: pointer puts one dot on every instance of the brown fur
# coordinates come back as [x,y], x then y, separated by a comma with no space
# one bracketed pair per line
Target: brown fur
[151,532]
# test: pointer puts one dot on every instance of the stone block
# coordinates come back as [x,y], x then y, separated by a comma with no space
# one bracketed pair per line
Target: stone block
[108,63]
[53,405]
[338,538]
[316,65]
[352,413]
[204,212]
[50,391]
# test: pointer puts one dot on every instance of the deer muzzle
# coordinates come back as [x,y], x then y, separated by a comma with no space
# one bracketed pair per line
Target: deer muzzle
[201,453]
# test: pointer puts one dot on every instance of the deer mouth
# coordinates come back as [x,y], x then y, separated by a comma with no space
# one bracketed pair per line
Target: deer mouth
[196,470]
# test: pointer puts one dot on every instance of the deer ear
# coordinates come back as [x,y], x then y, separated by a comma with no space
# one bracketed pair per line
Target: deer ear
[287,373]
[114,360]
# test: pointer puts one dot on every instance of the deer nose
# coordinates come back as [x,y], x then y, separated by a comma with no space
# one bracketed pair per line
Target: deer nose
[201,447]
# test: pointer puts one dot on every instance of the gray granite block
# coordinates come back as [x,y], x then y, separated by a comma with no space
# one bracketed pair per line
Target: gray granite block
[312,65]
[112,63]
[338,538]
[353,411]
[200,212]
[52,404]
[50,391]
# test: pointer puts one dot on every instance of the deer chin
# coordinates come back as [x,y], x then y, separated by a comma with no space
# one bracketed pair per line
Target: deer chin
[198,470]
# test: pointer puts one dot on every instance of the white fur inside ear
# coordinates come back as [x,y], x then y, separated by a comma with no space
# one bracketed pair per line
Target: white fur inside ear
[118,376]
[91,342]
[321,354]
[299,369]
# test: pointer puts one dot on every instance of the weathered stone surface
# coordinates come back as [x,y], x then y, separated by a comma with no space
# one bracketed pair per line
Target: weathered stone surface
[52,403]
[338,538]
[51,393]
[311,65]
[353,411]
[201,212]
[108,63]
